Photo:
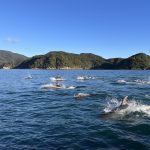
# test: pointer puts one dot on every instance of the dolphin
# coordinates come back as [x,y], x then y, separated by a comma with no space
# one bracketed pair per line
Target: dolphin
[81,95]
[124,104]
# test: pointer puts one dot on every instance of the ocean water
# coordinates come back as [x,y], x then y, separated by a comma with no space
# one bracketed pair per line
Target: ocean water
[52,119]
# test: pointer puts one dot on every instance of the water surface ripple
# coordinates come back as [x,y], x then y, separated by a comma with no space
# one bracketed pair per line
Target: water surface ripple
[34,118]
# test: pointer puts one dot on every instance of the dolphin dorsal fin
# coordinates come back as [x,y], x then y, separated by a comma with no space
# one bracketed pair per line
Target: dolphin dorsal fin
[125,101]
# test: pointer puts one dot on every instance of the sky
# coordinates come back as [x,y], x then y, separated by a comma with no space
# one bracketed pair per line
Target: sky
[109,28]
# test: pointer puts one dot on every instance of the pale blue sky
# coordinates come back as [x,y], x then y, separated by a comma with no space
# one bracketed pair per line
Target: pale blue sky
[110,28]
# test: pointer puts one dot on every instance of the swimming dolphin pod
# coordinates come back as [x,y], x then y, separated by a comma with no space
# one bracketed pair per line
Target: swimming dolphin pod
[122,109]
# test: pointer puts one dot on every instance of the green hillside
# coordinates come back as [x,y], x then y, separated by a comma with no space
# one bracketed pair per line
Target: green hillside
[138,61]
[62,60]
[10,59]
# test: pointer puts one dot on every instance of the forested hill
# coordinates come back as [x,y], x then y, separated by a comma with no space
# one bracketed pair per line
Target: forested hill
[64,60]
[138,61]
[9,59]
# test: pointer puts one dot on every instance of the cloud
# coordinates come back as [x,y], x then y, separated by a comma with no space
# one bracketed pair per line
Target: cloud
[11,40]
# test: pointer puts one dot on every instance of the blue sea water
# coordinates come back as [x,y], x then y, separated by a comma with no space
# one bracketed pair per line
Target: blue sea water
[42,119]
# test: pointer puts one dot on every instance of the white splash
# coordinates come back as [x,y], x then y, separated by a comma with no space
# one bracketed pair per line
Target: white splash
[134,107]
[46,86]
[54,86]
[70,87]
[28,77]
[81,95]
[121,81]
[85,78]
[142,81]
[54,79]
[111,104]
[138,81]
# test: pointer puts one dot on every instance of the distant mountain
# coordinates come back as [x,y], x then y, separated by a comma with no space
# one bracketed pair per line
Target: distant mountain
[9,59]
[63,60]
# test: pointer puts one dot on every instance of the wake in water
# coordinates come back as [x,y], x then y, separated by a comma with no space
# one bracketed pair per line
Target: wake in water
[55,86]
[85,78]
[134,109]
[138,81]
[28,77]
[81,95]
[55,79]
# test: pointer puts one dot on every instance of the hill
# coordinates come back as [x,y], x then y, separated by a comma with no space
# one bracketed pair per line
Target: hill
[63,60]
[138,61]
[9,59]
